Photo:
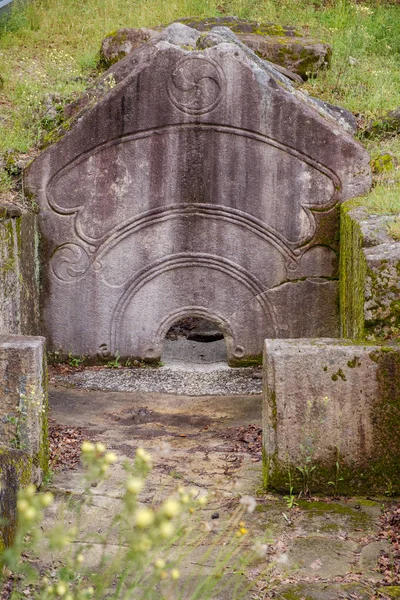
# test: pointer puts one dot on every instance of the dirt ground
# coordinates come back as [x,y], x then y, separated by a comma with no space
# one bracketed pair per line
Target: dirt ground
[321,549]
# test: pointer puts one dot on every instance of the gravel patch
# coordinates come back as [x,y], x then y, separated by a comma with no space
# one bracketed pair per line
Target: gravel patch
[195,380]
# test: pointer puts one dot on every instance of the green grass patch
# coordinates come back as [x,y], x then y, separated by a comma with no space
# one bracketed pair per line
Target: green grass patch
[383,199]
[394,229]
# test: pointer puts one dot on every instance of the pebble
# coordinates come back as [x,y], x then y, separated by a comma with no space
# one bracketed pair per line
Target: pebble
[167,380]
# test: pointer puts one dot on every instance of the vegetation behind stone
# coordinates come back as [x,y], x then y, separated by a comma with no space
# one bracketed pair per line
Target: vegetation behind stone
[44,63]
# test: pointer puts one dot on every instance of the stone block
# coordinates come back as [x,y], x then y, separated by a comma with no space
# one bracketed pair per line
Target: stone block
[369,275]
[19,271]
[23,399]
[331,416]
[202,185]
[15,471]
[303,56]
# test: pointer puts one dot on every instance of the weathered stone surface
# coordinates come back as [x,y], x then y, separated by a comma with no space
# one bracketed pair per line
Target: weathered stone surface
[303,56]
[202,185]
[331,411]
[282,46]
[241,26]
[117,45]
[19,271]
[343,116]
[370,276]
[313,555]
[15,471]
[23,398]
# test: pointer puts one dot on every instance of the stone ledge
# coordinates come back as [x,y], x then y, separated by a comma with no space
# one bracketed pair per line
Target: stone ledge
[370,275]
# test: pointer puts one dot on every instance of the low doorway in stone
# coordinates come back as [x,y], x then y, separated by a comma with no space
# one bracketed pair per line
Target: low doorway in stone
[194,341]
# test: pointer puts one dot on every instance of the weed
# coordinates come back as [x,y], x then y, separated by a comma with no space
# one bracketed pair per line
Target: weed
[75,361]
[175,475]
[290,499]
[306,471]
[390,489]
[114,364]
[337,479]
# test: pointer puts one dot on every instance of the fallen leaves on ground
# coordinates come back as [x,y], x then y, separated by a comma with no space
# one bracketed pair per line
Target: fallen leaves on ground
[65,445]
[389,566]
[248,439]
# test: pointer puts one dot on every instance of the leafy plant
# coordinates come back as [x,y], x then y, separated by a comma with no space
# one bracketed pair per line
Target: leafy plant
[290,499]
[114,364]
[75,361]
[153,543]
[306,471]
[337,479]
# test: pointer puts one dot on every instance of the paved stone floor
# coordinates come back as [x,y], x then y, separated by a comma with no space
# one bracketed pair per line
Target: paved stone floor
[319,550]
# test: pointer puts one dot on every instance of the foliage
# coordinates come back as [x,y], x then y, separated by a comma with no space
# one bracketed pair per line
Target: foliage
[152,543]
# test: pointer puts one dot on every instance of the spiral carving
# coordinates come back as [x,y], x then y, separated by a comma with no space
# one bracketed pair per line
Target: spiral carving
[196,85]
[70,262]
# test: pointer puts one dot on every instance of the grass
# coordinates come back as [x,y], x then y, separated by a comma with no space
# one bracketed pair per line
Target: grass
[49,52]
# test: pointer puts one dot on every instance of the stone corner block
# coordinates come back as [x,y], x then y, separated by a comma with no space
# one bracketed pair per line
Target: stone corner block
[15,471]
[331,410]
[23,399]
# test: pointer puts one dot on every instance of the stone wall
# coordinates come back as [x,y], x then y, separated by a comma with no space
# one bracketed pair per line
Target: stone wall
[369,275]
[19,272]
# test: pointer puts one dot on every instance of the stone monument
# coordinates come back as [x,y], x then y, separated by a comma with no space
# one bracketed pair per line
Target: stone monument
[202,184]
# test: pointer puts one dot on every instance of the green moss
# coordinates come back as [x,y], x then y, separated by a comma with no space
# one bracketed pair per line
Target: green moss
[246,361]
[383,163]
[42,457]
[274,410]
[367,503]
[241,26]
[355,362]
[391,591]
[320,507]
[375,475]
[352,274]
[15,472]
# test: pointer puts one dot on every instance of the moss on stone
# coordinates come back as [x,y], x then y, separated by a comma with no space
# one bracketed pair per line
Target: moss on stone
[392,591]
[246,361]
[355,362]
[241,26]
[383,163]
[352,274]
[15,472]
[376,474]
[41,459]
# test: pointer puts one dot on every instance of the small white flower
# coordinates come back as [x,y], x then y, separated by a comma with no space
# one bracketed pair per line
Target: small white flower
[282,559]
[249,503]
[260,549]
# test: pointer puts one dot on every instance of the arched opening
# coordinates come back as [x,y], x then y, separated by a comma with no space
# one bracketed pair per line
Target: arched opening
[194,340]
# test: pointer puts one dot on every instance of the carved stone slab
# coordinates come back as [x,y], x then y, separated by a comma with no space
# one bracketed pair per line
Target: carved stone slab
[200,185]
